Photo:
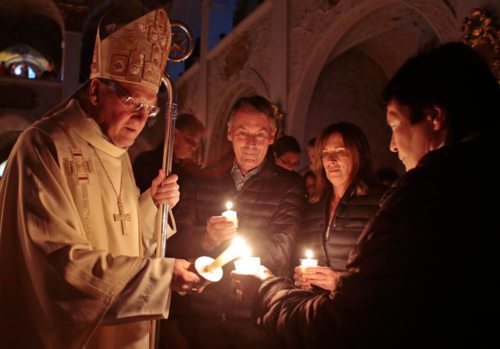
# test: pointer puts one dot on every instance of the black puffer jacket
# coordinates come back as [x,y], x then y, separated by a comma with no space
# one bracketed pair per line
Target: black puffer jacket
[332,244]
[424,271]
[269,208]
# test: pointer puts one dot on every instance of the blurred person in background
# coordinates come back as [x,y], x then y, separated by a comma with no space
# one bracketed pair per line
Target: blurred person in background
[287,152]
[187,140]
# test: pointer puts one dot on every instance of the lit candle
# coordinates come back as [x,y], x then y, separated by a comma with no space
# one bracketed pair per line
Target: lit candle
[237,248]
[230,214]
[247,264]
[308,261]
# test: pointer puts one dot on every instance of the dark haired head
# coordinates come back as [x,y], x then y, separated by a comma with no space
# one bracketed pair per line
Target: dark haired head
[189,122]
[453,77]
[311,142]
[286,144]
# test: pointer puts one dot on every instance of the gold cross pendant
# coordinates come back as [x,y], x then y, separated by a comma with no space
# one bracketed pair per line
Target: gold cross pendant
[121,217]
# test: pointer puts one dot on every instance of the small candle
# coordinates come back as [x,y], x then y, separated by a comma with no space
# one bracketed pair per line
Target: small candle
[230,214]
[247,264]
[237,248]
[308,261]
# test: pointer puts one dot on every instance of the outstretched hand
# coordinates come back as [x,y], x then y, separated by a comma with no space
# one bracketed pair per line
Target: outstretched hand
[247,285]
[185,280]
[165,190]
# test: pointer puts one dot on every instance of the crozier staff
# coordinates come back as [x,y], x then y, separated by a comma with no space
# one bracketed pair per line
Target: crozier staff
[76,238]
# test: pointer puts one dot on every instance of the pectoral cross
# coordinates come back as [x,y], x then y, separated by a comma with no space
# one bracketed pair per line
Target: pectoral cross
[121,217]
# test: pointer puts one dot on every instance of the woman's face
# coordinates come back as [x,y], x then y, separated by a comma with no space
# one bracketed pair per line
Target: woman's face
[337,161]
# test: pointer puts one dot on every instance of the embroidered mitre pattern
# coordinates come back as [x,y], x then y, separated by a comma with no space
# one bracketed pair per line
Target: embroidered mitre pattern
[136,52]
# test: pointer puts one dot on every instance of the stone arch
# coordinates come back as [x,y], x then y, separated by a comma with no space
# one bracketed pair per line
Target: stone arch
[332,44]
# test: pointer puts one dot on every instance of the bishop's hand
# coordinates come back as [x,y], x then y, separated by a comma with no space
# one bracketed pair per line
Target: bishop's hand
[184,280]
[165,190]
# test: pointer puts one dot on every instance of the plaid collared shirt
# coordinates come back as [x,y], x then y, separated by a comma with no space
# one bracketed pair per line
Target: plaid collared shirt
[240,179]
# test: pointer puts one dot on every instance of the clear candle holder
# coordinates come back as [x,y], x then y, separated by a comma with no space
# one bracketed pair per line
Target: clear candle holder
[247,265]
[308,262]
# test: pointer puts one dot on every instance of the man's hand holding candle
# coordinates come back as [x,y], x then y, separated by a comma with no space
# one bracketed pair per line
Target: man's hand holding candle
[220,228]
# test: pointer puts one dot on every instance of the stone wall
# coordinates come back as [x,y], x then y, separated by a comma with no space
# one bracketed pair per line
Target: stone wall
[339,56]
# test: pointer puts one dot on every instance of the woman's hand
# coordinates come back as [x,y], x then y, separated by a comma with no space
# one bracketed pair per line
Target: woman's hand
[322,277]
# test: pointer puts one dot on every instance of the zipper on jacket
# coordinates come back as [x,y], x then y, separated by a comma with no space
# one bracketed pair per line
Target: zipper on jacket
[326,235]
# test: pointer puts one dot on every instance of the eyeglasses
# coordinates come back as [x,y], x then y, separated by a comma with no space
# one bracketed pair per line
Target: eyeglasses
[131,103]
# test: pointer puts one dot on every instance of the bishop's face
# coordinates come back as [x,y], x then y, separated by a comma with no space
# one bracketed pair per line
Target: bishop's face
[122,110]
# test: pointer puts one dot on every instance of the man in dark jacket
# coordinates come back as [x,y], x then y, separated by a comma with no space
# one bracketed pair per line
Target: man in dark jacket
[187,139]
[424,268]
[268,201]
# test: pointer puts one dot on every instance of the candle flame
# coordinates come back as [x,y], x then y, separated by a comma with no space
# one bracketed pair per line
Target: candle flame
[238,243]
[245,252]
[229,205]
[240,247]
[237,249]
[309,254]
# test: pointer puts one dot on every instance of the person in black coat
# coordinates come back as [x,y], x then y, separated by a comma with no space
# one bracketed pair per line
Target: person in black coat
[269,203]
[350,197]
[424,269]
[188,136]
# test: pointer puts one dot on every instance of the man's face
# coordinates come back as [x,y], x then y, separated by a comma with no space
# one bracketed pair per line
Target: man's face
[411,141]
[288,160]
[251,134]
[186,142]
[119,120]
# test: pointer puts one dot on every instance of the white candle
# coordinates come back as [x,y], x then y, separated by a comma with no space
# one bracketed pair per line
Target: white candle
[308,261]
[247,264]
[237,248]
[230,214]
